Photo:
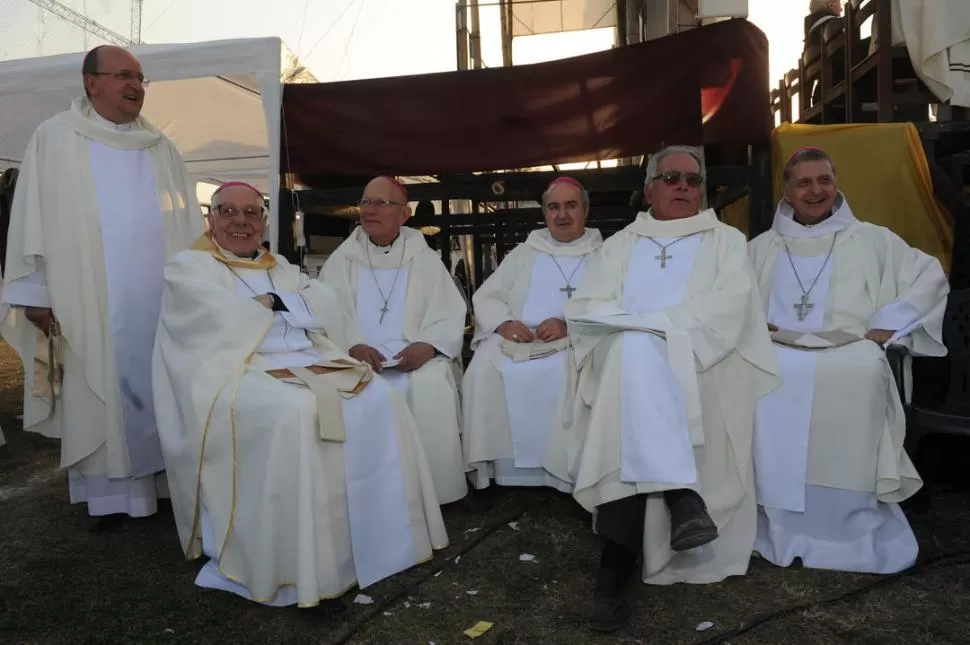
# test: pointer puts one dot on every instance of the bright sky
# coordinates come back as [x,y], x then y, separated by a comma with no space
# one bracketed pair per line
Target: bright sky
[345,39]
[348,39]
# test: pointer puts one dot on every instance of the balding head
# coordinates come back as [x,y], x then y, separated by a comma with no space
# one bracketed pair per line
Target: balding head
[114,83]
[565,205]
[383,209]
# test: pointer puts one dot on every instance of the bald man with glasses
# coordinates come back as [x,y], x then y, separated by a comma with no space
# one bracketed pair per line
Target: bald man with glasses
[403,315]
[103,200]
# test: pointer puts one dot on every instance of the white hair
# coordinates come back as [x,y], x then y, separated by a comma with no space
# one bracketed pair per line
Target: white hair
[669,151]
[818,5]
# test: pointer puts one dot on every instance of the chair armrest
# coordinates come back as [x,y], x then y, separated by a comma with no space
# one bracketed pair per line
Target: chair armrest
[896,355]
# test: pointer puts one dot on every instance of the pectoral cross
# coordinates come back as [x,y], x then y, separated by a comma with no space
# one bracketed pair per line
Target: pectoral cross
[568,289]
[804,307]
[663,257]
[383,313]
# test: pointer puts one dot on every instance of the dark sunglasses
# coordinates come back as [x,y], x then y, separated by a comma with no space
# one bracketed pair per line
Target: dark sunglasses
[673,177]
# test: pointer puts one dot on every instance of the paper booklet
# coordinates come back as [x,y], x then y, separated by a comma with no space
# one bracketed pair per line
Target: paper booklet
[614,317]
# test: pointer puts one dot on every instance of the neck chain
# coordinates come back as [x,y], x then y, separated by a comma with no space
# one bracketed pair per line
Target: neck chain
[803,306]
[569,288]
[384,307]
[272,285]
[663,257]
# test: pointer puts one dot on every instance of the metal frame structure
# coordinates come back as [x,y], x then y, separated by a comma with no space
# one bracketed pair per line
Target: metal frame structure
[504,204]
[880,86]
[93,27]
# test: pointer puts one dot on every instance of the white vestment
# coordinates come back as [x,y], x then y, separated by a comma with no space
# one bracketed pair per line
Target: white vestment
[286,516]
[829,455]
[97,210]
[390,298]
[512,429]
[671,361]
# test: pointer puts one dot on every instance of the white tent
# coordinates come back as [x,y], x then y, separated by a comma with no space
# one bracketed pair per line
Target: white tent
[219,102]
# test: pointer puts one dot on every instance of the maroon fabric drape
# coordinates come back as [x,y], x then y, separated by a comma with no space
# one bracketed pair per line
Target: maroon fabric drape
[706,85]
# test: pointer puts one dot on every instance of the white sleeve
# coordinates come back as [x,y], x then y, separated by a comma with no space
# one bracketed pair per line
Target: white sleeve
[298,313]
[29,291]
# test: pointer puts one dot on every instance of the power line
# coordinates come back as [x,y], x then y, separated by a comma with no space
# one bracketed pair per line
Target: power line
[329,29]
[299,42]
[350,38]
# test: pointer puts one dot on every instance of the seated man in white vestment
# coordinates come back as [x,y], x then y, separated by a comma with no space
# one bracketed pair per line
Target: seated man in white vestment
[829,454]
[293,467]
[672,353]
[103,199]
[515,387]
[401,313]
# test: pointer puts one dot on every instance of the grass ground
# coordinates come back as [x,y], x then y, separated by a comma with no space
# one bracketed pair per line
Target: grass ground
[60,584]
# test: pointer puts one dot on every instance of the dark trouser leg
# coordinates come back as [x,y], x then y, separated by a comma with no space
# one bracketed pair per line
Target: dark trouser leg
[621,525]
[621,522]
[690,524]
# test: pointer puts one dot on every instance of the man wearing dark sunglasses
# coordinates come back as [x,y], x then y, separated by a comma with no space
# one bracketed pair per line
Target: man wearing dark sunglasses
[672,352]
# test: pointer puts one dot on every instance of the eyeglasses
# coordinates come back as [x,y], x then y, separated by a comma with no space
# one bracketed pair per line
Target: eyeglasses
[228,211]
[379,203]
[673,177]
[125,76]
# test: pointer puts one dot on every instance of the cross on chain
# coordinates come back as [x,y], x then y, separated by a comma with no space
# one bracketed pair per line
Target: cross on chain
[804,307]
[663,257]
[383,313]
[568,290]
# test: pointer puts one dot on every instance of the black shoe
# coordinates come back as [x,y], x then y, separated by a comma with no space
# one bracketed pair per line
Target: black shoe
[109,523]
[612,605]
[326,610]
[690,524]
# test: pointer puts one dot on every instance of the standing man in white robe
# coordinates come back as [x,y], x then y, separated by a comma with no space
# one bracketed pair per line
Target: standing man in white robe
[402,314]
[515,387]
[829,454]
[102,200]
[672,353]
[296,469]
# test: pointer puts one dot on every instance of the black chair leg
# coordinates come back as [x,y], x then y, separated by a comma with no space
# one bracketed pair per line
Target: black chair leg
[928,458]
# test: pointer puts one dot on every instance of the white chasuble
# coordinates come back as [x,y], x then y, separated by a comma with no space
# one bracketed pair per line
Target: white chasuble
[673,352]
[420,303]
[131,230]
[285,516]
[512,402]
[533,388]
[99,207]
[781,456]
[829,454]
[381,306]
[658,450]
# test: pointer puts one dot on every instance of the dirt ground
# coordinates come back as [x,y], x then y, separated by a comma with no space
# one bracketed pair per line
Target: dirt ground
[62,584]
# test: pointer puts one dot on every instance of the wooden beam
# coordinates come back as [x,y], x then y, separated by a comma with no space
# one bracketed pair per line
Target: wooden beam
[516,186]
[761,196]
